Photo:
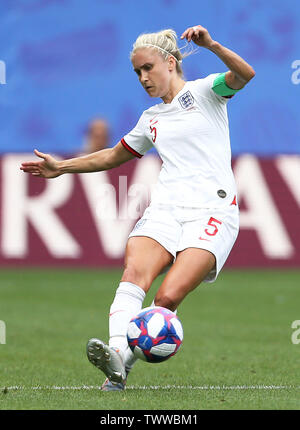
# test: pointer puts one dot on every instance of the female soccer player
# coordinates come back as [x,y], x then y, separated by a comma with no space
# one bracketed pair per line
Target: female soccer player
[192,221]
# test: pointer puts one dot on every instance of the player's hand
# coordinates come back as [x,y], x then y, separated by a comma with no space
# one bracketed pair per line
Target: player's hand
[199,35]
[47,168]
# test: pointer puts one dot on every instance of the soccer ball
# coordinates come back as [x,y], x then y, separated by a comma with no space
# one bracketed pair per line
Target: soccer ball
[155,334]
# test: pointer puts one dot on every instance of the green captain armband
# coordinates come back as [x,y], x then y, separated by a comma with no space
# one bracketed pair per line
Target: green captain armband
[221,88]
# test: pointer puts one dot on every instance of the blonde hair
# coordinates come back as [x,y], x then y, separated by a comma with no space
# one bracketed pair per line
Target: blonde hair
[165,41]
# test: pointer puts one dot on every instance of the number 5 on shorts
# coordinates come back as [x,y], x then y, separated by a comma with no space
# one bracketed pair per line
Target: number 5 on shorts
[212,223]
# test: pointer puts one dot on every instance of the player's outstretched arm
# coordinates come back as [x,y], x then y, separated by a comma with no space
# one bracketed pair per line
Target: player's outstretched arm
[240,72]
[49,167]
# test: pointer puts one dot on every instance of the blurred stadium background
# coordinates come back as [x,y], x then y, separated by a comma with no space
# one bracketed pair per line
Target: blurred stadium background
[66,62]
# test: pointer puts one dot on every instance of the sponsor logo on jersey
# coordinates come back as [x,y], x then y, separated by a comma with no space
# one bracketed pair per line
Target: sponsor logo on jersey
[222,194]
[139,224]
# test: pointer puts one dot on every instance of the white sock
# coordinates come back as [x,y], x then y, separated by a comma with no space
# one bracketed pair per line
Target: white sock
[127,303]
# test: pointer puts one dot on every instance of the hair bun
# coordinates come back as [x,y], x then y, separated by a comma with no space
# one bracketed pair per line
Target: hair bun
[166,43]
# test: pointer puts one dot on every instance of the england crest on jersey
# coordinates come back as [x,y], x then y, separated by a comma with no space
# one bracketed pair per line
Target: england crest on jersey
[186,100]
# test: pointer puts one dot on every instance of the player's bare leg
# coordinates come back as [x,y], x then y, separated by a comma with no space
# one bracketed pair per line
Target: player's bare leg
[191,267]
[144,260]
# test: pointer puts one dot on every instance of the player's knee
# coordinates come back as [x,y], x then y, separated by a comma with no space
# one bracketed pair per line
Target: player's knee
[165,300]
[137,277]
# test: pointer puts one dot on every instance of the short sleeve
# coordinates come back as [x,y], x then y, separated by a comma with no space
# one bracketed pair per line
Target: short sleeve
[136,141]
[203,88]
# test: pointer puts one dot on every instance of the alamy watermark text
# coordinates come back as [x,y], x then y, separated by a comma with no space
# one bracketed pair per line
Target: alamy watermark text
[2,332]
[2,72]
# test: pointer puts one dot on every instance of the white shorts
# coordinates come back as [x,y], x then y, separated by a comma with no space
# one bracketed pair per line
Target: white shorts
[179,228]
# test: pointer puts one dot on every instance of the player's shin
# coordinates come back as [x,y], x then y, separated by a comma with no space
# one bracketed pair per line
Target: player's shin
[127,303]
[153,304]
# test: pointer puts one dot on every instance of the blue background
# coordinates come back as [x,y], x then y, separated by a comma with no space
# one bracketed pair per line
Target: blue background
[67,61]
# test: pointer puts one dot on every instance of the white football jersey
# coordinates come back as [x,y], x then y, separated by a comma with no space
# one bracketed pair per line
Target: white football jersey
[191,136]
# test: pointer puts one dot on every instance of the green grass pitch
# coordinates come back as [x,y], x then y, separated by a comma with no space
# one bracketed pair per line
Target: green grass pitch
[237,351]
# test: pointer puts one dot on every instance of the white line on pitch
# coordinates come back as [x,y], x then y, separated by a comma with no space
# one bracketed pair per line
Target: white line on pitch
[157,387]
